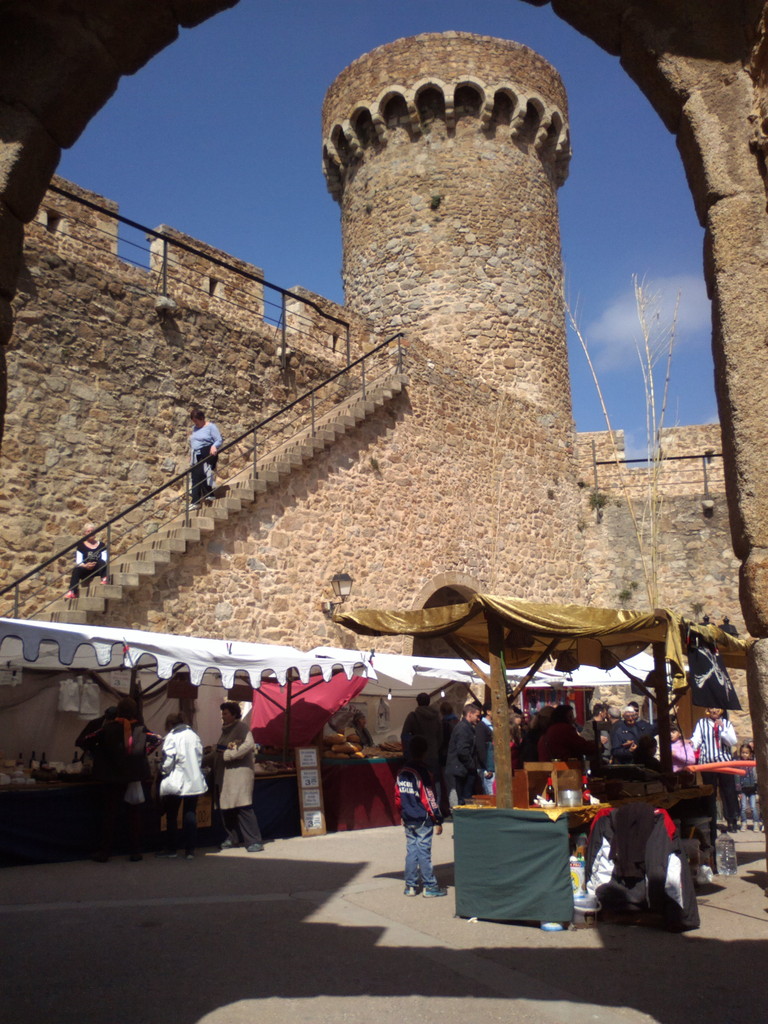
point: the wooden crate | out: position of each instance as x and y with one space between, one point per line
531 781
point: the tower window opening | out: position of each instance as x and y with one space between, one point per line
395 112
364 127
503 109
466 101
53 221
431 105
530 123
215 287
341 144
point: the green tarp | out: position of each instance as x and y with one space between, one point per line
511 865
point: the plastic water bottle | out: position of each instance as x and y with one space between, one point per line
725 855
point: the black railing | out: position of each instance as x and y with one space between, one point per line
256 447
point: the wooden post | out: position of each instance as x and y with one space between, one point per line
662 706
287 730
500 710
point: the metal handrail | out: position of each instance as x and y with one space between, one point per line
185 476
185 247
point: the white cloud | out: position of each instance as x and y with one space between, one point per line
613 337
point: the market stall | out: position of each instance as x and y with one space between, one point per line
509 634
55 677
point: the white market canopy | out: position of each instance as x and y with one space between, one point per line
49 646
401 674
58 646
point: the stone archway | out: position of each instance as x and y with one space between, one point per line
59 64
447 588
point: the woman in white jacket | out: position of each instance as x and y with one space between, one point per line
182 782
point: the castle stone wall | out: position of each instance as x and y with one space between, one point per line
435 484
102 381
691 463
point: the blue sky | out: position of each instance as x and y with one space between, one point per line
219 137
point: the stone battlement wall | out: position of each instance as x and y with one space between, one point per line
692 463
102 381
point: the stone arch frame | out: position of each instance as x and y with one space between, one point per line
532 112
395 93
477 86
439 86
364 127
460 581
512 94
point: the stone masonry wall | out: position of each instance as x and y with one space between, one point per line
102 382
437 483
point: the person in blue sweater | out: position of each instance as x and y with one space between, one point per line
420 814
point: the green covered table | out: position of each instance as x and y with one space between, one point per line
511 865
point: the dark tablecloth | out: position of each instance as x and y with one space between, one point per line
45 824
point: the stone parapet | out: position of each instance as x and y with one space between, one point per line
691 464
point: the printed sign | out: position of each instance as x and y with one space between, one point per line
310 791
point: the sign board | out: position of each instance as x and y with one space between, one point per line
310 785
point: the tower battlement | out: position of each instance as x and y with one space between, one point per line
504 106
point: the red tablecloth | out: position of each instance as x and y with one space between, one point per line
360 794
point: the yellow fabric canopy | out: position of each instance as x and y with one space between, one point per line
592 636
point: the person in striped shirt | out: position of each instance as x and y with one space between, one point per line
713 740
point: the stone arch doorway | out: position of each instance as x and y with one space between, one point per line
448 588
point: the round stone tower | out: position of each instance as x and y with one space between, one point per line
445 152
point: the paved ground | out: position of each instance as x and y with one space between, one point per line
318 931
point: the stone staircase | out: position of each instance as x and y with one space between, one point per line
128 571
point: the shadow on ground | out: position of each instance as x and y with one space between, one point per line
182 942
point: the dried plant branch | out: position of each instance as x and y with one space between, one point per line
656 341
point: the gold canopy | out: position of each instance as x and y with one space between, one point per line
592 636
517 634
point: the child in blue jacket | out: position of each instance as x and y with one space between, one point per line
420 814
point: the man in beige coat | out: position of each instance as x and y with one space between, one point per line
233 780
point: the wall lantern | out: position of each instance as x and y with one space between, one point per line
342 588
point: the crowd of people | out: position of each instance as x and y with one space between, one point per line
459 753
120 746
449 760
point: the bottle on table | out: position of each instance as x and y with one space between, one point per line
586 795
549 792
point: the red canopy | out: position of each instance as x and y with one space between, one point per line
312 704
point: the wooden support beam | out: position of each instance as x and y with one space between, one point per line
500 709
662 705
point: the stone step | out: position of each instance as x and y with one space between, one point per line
231 502
204 523
90 603
157 555
72 615
161 543
135 566
178 532
127 580
108 592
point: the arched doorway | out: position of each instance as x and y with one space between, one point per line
458 589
